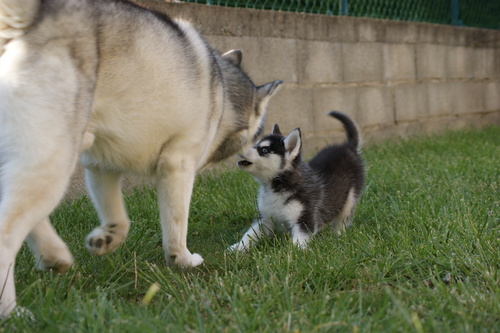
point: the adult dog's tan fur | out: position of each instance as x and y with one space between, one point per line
137 92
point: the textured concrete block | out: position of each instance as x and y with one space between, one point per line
291 108
438 34
283 25
439 97
272 58
431 61
329 99
426 33
484 62
458 62
492 96
467 97
319 27
410 102
400 32
439 124
319 62
337 28
368 31
362 62
399 61
375 106
496 73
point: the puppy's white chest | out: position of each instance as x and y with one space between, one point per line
278 207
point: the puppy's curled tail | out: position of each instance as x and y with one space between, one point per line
16 16
350 128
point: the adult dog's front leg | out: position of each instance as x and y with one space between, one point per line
105 190
175 186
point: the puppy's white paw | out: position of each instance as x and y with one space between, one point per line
301 243
238 247
300 238
104 240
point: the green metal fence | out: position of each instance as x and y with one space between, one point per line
476 13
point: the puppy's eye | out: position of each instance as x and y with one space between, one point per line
263 151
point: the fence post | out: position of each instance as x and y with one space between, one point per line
343 7
454 13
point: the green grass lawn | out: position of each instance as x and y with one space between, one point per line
423 255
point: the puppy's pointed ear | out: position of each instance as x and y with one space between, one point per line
293 143
276 130
234 56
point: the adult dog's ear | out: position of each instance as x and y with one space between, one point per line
234 56
263 94
293 144
268 89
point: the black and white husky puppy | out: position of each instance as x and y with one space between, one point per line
304 197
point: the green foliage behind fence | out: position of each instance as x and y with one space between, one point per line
476 13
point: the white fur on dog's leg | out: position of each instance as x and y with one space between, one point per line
186 260
237 247
30 193
196 260
345 216
105 190
18 219
29 196
49 250
252 236
248 240
39 142
7 287
104 240
174 188
299 237
341 228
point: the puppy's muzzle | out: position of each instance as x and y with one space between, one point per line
244 163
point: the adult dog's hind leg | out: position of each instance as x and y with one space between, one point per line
48 248
31 189
105 189
45 103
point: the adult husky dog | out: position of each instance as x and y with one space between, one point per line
129 89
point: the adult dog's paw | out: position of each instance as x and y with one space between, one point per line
104 240
186 260
59 263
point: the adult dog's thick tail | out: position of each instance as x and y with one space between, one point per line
16 16
350 128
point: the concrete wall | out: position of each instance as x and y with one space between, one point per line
394 78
